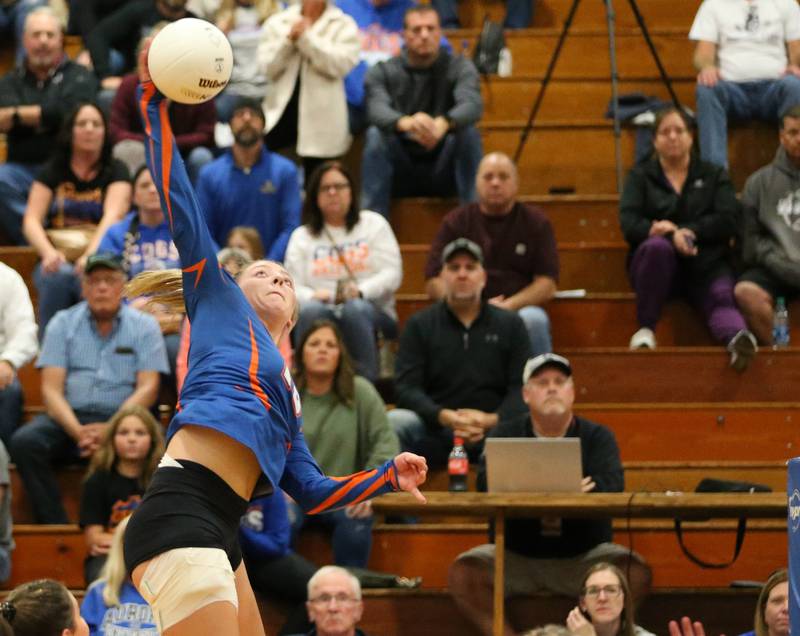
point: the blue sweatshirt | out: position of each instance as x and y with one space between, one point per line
132 617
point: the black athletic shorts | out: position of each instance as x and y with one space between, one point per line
189 507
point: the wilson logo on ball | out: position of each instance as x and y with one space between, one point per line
210 83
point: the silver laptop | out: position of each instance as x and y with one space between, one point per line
533 464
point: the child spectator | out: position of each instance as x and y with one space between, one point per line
248 239
117 477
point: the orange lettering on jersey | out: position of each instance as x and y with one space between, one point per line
197 267
259 392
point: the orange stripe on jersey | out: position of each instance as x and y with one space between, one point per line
339 494
367 493
197 267
148 90
166 156
254 369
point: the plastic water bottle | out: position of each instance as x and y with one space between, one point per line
505 63
780 325
458 466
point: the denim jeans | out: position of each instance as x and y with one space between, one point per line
538 325
388 169
655 277
519 13
351 538
359 321
10 410
33 449
765 100
57 290
15 183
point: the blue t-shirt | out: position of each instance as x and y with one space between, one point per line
152 250
132 617
266 197
238 383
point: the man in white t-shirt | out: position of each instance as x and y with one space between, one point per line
748 58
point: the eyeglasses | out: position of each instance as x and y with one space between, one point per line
609 590
336 187
341 599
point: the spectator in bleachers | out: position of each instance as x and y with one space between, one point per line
43 608
249 185
771 232
306 51
332 584
193 126
246 239
605 606
459 364
84 16
380 25
18 346
347 431
34 98
549 555
422 107
12 21
122 30
118 474
772 609
346 266
142 240
96 358
679 215
551 629
274 570
517 241
241 21
519 13
744 71
112 604
79 193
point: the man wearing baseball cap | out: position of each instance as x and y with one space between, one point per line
251 186
549 555
96 356
459 364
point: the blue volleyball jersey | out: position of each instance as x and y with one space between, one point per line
238 383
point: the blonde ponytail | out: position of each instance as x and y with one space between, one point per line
161 287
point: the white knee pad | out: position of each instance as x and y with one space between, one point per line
179 582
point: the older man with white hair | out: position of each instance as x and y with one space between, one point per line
334 603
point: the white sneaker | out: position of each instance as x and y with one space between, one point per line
743 347
643 339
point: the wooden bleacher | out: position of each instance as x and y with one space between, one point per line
679 413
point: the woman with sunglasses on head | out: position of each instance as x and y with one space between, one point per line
605 607
237 433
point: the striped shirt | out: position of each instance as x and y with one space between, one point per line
101 372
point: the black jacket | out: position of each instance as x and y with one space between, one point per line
443 364
600 459
707 205
68 85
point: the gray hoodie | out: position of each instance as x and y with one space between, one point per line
771 232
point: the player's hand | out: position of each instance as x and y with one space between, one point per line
141 67
687 628
411 473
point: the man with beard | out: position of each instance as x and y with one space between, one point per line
251 186
459 363
34 98
549 554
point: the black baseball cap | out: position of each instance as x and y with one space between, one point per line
103 259
251 103
462 245
545 361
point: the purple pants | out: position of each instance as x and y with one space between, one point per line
656 277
